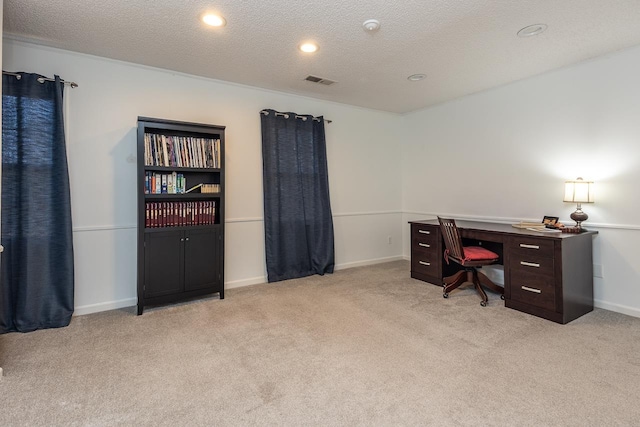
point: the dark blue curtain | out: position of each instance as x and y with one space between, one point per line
36 278
297 214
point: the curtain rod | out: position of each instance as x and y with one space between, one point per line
42 79
285 115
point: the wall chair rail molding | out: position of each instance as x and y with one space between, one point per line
338 215
103 228
240 220
367 213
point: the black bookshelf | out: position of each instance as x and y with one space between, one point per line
180 234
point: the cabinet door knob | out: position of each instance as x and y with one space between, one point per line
182 240
187 239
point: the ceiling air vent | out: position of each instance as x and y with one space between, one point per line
319 80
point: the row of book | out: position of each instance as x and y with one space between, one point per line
164 183
205 188
178 214
181 151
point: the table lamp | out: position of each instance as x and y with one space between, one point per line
578 191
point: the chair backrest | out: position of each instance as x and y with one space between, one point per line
452 239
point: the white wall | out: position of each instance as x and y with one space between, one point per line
504 155
500 155
364 172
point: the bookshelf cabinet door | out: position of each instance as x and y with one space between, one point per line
163 263
202 260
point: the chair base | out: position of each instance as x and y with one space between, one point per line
478 279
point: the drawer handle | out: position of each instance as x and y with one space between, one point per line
424 245
425 263
424 232
530 264
534 290
524 245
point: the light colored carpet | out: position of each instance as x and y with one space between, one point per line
364 346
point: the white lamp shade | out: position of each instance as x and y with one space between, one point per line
578 191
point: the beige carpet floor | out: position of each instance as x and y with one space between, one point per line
364 346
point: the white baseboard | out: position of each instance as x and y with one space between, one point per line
367 262
129 302
104 306
618 308
263 279
245 282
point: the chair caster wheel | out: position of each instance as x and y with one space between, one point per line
445 295
502 297
483 303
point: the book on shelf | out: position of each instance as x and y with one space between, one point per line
178 214
157 183
195 187
210 188
170 187
182 182
181 151
164 184
205 188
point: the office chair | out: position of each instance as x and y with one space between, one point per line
468 257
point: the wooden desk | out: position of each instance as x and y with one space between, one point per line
547 275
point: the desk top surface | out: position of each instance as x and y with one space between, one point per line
504 229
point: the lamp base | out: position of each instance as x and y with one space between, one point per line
579 217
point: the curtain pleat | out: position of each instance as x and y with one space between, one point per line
37 277
297 212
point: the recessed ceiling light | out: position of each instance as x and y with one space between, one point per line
532 30
308 47
214 20
416 77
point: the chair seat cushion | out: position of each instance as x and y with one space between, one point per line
477 253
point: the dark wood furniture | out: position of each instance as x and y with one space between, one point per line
547 275
469 257
180 235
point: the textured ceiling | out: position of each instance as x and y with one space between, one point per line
463 46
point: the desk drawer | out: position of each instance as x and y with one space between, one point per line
426 252
426 262
531 246
425 239
535 264
425 232
533 289
424 245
